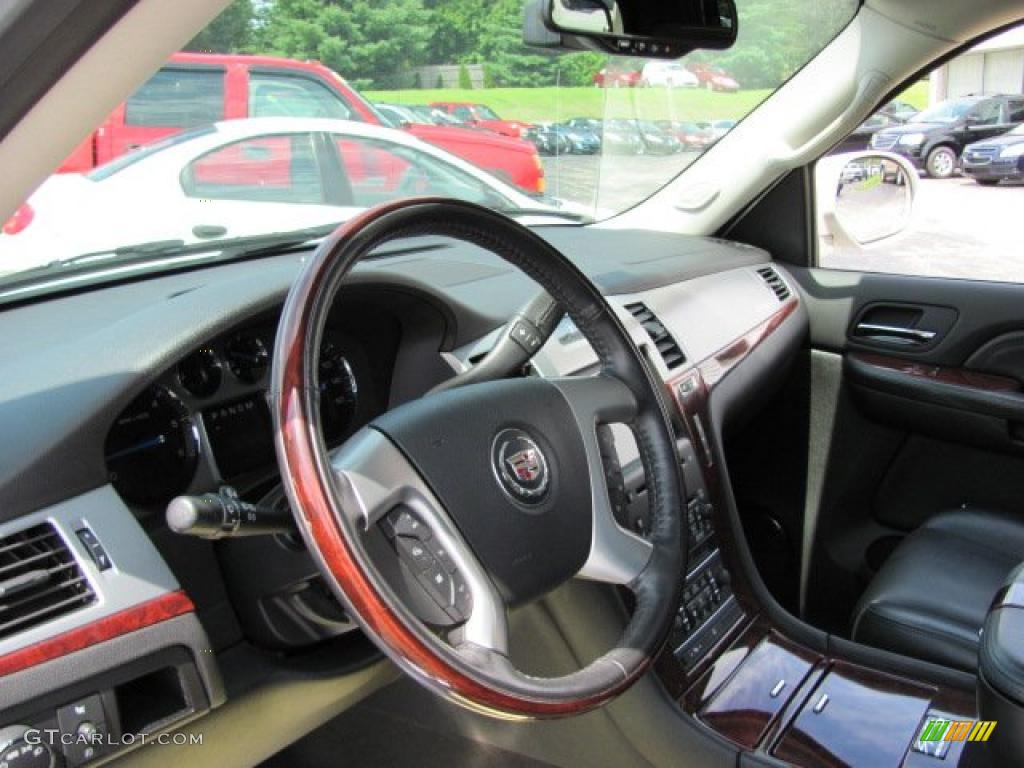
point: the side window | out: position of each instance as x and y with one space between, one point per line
293 96
177 98
463 113
268 169
949 209
377 171
987 113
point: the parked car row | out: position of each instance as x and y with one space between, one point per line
976 133
666 74
588 136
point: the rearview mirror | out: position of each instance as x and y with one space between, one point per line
666 29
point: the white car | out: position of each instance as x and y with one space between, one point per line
667 74
244 177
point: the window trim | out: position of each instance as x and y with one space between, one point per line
294 74
185 179
180 67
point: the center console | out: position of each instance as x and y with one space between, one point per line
776 690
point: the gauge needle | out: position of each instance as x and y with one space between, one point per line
145 445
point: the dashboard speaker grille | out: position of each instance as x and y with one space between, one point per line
667 346
775 282
40 580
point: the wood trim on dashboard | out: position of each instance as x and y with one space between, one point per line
155 611
716 367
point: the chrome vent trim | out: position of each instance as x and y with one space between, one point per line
40 579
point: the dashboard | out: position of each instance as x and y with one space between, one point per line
128 396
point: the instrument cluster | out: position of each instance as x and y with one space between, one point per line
209 417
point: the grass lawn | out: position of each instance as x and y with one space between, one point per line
917 94
555 104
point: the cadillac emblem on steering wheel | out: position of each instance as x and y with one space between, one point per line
520 466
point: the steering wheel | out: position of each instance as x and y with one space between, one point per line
436 518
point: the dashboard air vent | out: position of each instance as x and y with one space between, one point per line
776 283
40 580
667 347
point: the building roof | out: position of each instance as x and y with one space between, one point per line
1011 38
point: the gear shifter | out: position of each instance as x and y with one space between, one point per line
223 515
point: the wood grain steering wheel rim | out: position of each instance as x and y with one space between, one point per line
323 496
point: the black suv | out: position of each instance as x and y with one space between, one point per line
935 138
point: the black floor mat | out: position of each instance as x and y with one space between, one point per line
369 738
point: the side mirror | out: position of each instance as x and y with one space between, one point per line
863 198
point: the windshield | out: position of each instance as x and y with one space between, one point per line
946 112
217 148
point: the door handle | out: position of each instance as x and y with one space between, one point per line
895 333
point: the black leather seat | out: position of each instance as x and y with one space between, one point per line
931 596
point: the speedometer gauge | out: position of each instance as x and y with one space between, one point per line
152 449
339 392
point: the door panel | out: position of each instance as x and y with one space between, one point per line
923 422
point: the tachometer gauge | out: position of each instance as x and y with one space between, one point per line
152 449
200 373
247 357
339 392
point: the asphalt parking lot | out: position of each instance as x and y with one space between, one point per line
637 177
959 229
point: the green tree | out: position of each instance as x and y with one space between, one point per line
577 69
373 43
777 37
488 76
230 32
500 45
465 81
440 81
456 28
417 80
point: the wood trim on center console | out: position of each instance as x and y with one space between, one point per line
758 687
163 608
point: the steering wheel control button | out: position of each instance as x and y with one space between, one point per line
415 553
442 556
526 336
438 583
404 523
463 599
520 466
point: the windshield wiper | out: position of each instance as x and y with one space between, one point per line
161 248
250 246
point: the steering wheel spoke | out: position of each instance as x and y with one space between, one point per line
617 556
376 485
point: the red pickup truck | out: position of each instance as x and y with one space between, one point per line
482 116
196 88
